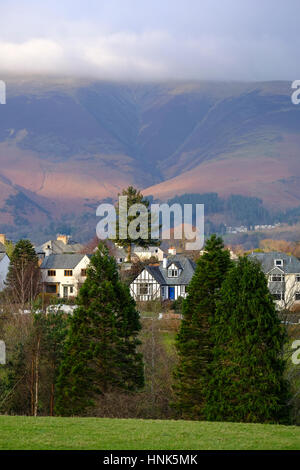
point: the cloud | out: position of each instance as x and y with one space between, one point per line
170 40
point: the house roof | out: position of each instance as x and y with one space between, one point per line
291 264
58 247
2 255
2 248
62 261
160 274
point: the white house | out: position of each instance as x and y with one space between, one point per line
64 274
283 274
149 252
62 244
142 253
4 262
167 280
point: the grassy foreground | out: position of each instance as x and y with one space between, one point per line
129 434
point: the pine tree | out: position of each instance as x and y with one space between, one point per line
246 374
193 341
135 197
23 278
101 349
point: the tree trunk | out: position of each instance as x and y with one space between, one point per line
52 400
36 399
129 253
32 388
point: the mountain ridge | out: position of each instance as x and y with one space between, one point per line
67 144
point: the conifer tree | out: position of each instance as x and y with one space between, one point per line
193 340
135 197
246 374
101 349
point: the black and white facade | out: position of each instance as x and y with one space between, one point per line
166 281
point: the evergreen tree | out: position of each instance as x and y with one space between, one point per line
101 349
246 374
193 341
23 278
135 197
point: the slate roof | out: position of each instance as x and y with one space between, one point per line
63 261
2 255
291 264
58 246
160 274
2 248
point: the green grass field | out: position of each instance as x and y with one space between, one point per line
123 434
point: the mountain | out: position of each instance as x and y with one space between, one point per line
67 144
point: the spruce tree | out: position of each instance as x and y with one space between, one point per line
246 374
101 349
193 341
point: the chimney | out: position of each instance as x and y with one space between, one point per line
165 262
172 250
2 238
48 251
63 238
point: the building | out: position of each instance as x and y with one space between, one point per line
63 274
167 280
4 262
147 253
62 244
283 274
137 253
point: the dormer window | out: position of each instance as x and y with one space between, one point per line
278 262
173 272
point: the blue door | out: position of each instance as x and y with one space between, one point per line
172 293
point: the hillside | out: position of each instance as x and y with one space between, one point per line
67 144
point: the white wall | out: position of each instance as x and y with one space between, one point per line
157 291
67 281
145 278
147 254
4 265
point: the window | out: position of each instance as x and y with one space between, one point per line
173 272
144 289
297 296
68 272
71 289
183 290
277 278
298 278
278 262
83 273
278 296
51 288
51 272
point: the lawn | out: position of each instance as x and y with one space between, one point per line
124 434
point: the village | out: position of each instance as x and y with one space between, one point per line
153 274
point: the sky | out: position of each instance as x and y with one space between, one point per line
152 40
